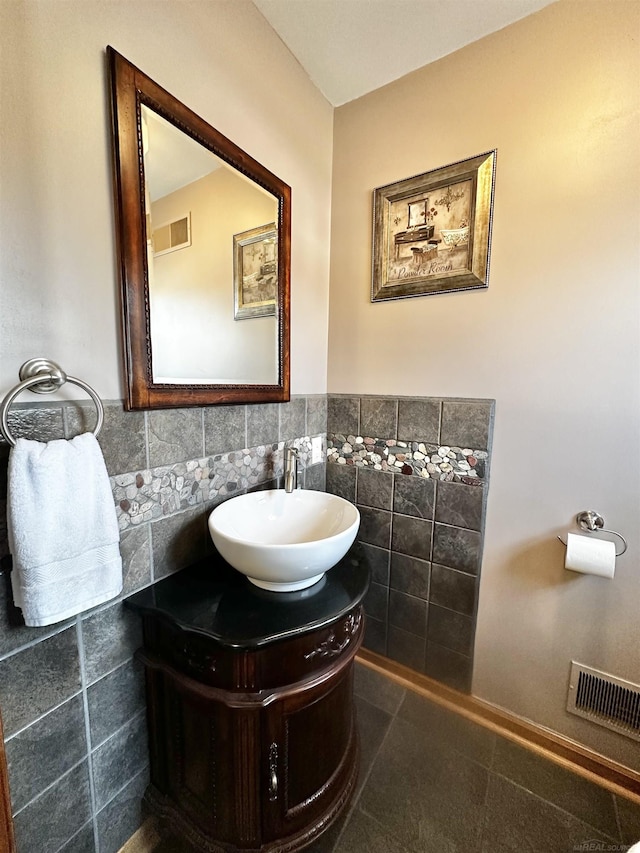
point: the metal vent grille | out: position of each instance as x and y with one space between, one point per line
605 700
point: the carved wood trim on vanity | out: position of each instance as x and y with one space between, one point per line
554 747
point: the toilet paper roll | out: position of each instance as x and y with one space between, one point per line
590 556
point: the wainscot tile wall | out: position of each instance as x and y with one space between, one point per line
417 468
72 695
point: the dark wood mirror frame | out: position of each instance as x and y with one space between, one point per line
130 89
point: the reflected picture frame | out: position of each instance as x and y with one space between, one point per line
432 232
255 272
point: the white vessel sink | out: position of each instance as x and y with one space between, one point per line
284 542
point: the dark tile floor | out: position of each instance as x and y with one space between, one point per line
432 782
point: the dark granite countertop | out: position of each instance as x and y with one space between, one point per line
213 599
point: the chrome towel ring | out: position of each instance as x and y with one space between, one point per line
44 376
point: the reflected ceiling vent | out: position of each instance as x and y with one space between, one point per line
605 700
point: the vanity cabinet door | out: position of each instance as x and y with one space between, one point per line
204 761
309 757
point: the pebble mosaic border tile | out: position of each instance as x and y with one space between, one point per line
147 495
437 462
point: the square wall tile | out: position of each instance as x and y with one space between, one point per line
114 699
175 435
178 540
378 417
406 648
453 589
460 505
13 632
375 635
343 415
414 496
82 842
315 477
450 667
38 678
412 536
375 526
135 548
419 420
39 423
456 548
466 423
225 429
263 424
123 816
110 637
374 488
46 750
316 414
293 419
122 437
48 822
410 575
408 612
376 601
377 560
450 629
341 481
119 759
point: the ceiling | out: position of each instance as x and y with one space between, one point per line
351 47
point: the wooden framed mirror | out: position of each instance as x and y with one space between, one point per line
186 198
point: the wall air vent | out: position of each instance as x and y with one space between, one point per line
172 236
605 700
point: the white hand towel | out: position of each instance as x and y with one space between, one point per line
63 530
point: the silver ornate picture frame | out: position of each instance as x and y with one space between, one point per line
432 232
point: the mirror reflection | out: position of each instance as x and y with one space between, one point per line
212 264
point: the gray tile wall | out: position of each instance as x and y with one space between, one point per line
423 536
72 695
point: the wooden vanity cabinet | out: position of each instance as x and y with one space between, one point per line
251 749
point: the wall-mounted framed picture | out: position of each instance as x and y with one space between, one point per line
255 272
432 232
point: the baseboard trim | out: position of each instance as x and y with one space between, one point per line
568 753
144 840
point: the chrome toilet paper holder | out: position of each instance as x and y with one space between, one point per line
592 522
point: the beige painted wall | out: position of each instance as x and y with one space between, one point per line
555 338
58 281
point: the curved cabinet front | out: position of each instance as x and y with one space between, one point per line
252 750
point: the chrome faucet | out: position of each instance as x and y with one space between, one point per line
290 469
